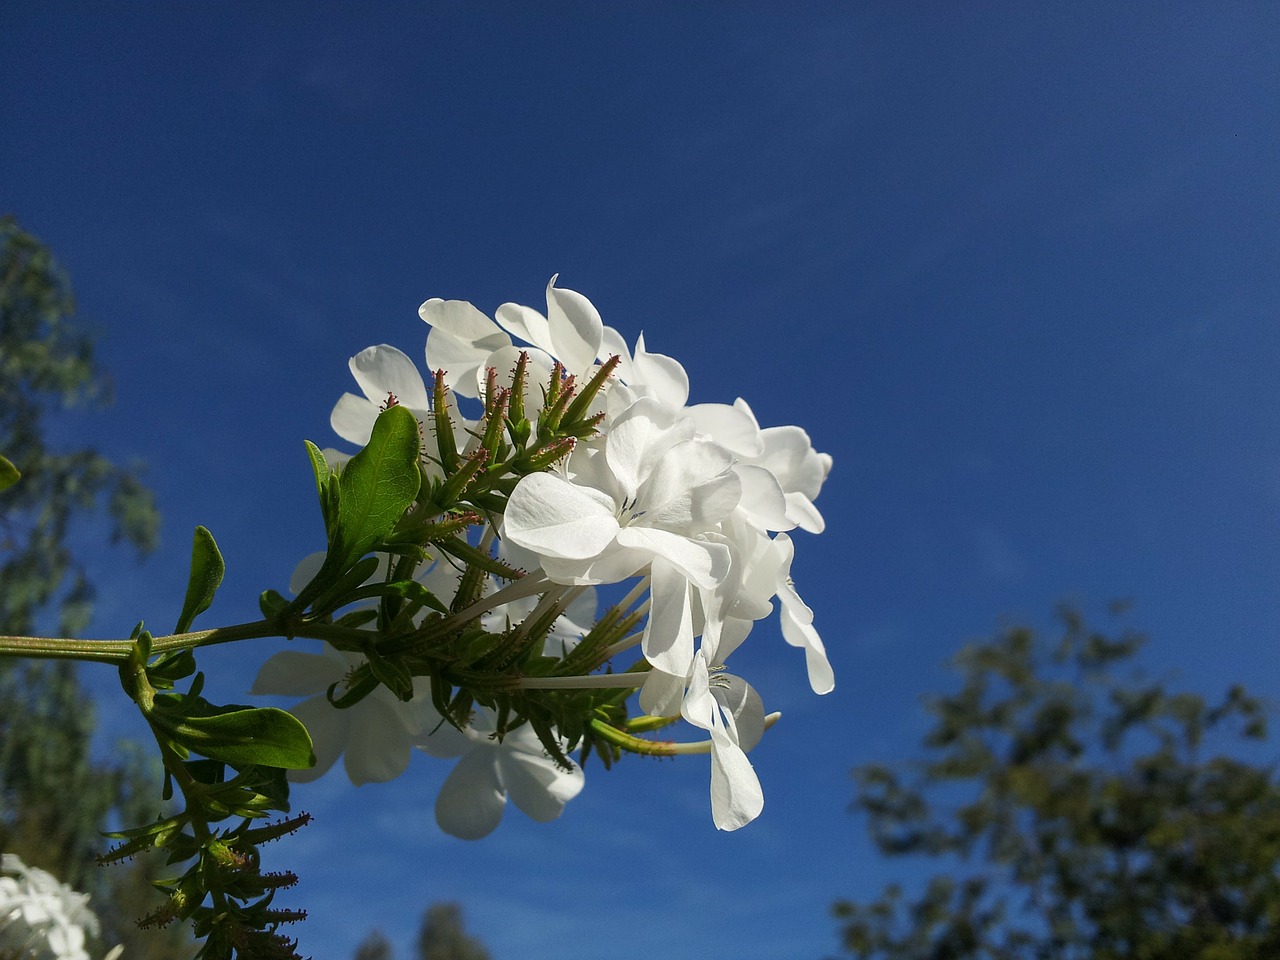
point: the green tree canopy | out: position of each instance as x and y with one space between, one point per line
442 937
46 364
54 798
1087 814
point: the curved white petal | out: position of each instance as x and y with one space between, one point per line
553 517
668 633
734 427
352 418
383 369
736 797
763 502
691 489
378 745
802 512
536 784
702 563
527 324
472 799
822 678
443 739
328 728
663 376
292 673
575 328
661 694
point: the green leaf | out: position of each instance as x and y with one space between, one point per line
245 735
378 484
8 474
207 569
324 484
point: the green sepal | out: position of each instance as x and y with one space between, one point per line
9 474
478 558
345 589
272 604
169 668
207 568
393 675
410 590
356 619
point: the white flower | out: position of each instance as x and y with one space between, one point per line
380 371
642 502
465 343
41 918
374 737
474 795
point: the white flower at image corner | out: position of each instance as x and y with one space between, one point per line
642 504
374 737
40 918
474 795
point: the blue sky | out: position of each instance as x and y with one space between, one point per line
1013 267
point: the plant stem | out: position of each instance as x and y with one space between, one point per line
118 651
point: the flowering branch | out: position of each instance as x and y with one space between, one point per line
456 601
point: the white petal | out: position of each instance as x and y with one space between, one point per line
471 801
614 565
613 345
691 489
463 322
791 602
664 377
802 512
639 438
352 418
821 677
443 739
537 785
377 744
306 569
383 369
702 563
743 709
668 633
661 694
328 728
736 797
292 673
575 328
763 502
527 324
553 517
733 427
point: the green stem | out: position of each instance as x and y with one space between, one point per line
118 651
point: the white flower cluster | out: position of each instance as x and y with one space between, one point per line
689 504
40 918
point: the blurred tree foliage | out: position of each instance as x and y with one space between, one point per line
1090 816
46 364
442 937
54 799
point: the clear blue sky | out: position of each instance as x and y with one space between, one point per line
1014 268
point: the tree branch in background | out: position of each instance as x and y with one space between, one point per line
1090 814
